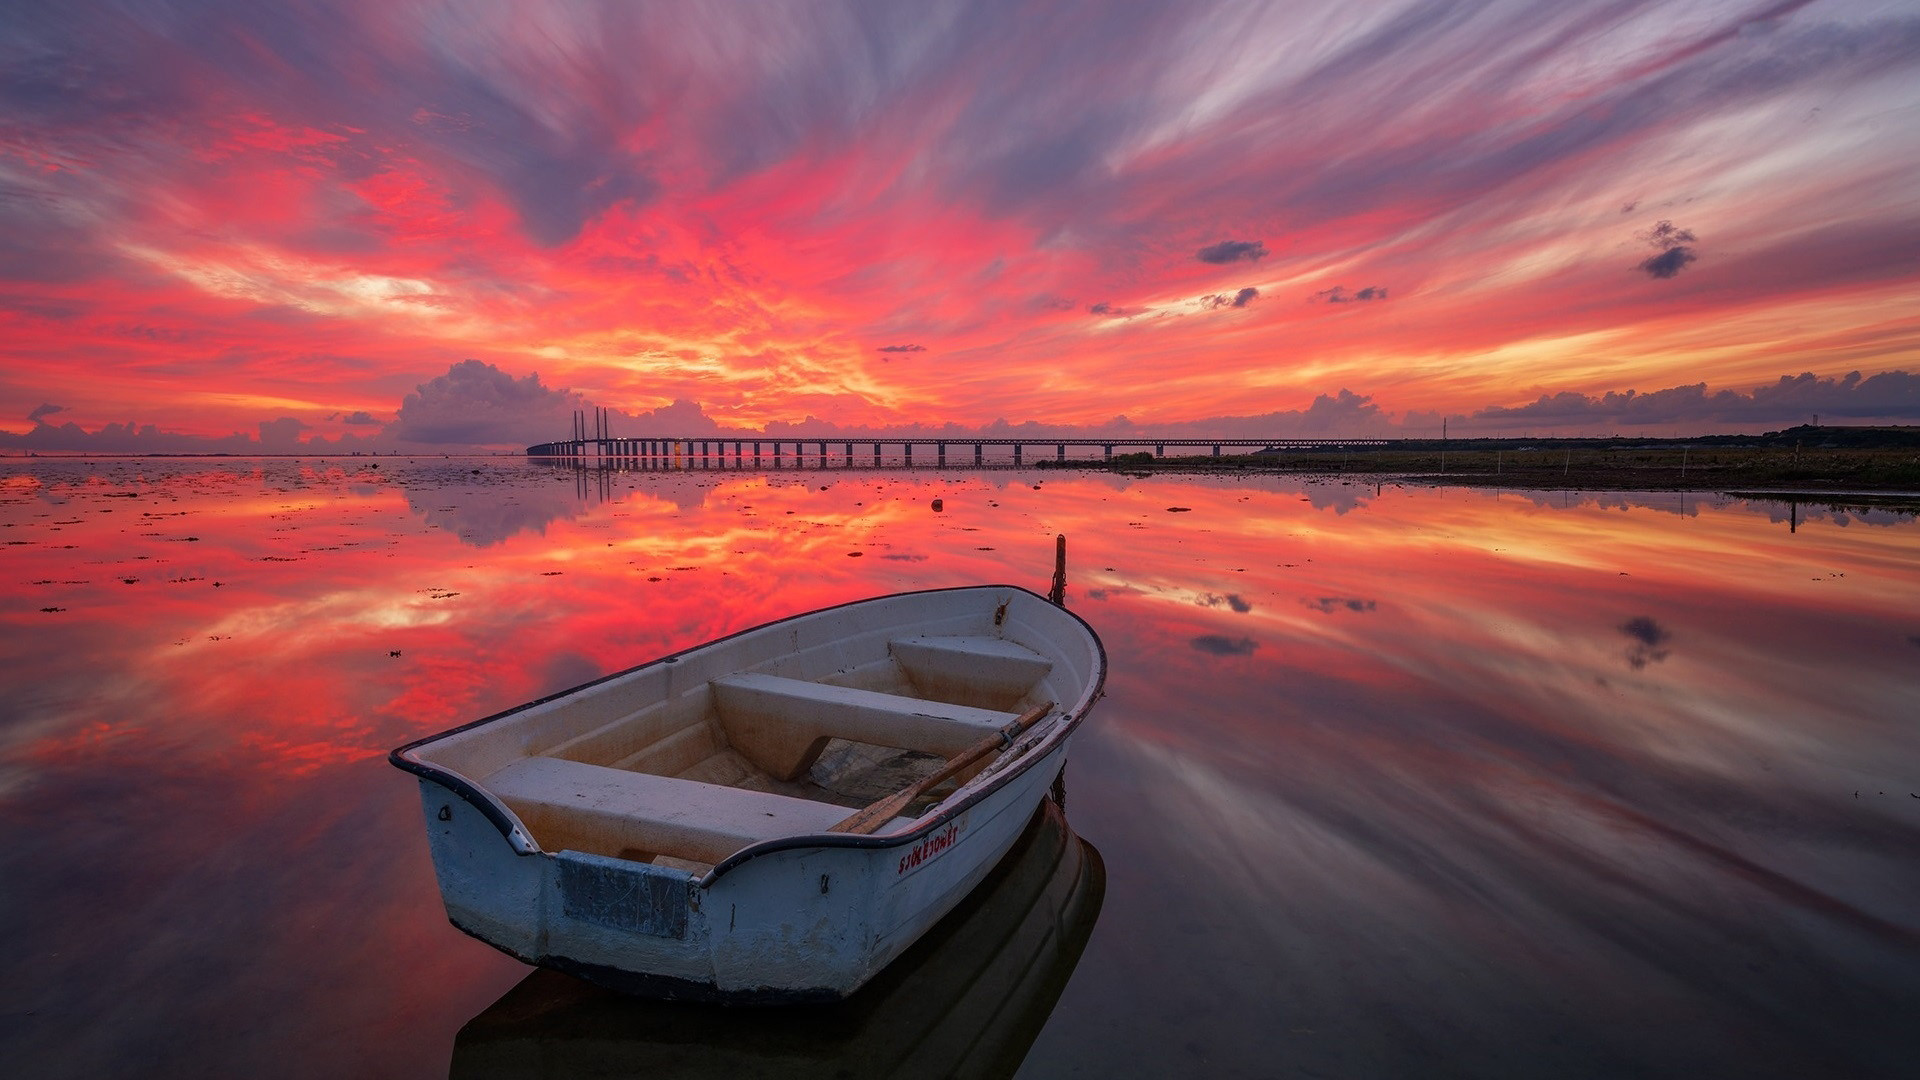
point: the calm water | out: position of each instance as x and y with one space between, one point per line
1389 781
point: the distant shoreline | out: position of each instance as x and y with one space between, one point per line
1894 477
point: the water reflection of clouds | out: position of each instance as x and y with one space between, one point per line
1410 816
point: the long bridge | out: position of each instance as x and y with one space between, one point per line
714 451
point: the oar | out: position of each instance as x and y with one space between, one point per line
871 818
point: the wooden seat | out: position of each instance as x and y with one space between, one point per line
986 672
782 724
604 811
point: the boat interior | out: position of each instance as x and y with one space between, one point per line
681 764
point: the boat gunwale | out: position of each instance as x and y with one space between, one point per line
521 839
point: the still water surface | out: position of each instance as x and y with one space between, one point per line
1389 780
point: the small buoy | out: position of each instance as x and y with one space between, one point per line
938 506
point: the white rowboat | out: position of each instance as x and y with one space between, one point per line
671 830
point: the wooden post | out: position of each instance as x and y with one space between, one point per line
1058 594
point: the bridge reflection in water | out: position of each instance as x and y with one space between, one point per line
968 1000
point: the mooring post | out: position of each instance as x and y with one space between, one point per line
1058 594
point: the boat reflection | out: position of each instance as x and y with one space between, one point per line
967 1000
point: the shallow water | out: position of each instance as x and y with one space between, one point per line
1389 780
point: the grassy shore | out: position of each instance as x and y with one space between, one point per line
1810 460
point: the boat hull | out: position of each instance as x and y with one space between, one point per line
799 918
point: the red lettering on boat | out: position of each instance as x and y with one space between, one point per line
928 848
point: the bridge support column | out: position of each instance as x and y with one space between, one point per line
976 453
1159 449
1060 452
1016 453
940 450
849 455
1216 449
1106 452
876 453
906 449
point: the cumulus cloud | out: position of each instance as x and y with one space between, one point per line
903 348
1669 262
44 410
1675 247
1227 251
362 418
476 403
1339 295
1890 395
683 417
282 434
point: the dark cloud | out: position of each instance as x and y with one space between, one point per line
476 403
903 348
1644 630
1648 638
1339 295
1245 296
1232 601
362 418
1104 308
1667 236
1890 395
1222 645
1675 246
1667 263
1331 604
1227 251
45 409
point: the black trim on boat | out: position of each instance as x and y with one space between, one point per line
522 842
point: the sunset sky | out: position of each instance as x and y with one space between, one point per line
401 224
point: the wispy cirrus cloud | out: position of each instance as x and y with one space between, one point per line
683 202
